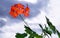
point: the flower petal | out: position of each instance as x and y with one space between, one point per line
26 14
19 5
13 14
20 11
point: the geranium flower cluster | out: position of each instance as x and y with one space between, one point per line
18 9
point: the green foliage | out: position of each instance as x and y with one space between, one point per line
48 31
28 30
52 27
45 31
18 35
41 27
32 33
58 34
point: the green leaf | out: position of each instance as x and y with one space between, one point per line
32 33
47 30
18 35
58 34
46 27
31 36
52 27
41 26
28 30
37 36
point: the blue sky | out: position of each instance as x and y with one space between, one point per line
39 9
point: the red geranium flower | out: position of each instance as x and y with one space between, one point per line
27 10
13 14
19 9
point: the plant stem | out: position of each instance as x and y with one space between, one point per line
23 20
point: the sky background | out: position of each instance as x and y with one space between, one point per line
38 10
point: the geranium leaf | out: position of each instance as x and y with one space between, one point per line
58 34
52 27
18 35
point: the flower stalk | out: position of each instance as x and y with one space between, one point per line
24 20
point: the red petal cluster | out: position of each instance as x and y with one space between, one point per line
19 9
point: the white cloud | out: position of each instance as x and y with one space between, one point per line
30 1
7 35
4 19
54 12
